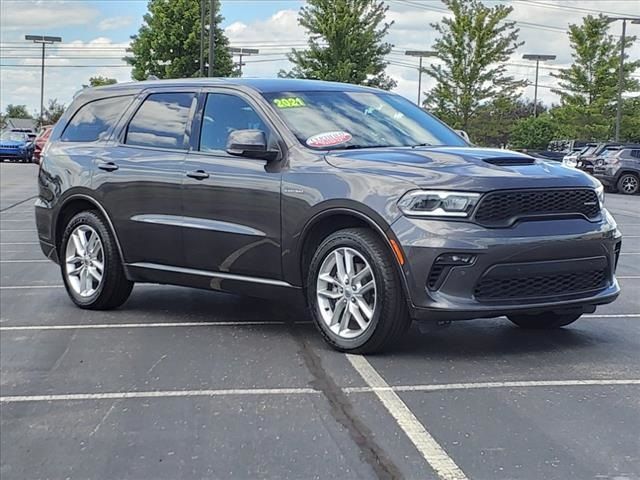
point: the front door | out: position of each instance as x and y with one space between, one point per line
231 204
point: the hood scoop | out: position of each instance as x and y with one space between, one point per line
510 161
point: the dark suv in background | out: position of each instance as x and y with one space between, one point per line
619 169
352 198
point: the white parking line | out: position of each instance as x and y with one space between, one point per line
614 315
18 230
630 253
428 447
27 287
19 243
157 394
33 261
307 391
145 325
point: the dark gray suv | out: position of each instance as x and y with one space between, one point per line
353 199
619 169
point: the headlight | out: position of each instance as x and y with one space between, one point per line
600 193
438 203
570 162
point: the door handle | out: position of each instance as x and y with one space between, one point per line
198 174
108 166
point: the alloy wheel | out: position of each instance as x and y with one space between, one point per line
630 184
84 261
346 292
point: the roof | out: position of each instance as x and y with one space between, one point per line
264 85
22 123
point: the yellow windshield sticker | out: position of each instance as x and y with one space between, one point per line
290 102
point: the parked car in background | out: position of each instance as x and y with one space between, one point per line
40 142
587 159
352 198
620 169
16 146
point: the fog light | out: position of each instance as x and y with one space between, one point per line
455 259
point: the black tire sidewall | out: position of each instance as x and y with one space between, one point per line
92 220
334 241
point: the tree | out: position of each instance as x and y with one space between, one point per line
493 122
346 43
534 133
100 81
17 111
168 43
473 46
588 88
593 76
52 112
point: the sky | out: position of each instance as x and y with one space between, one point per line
96 33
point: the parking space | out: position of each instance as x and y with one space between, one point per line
182 383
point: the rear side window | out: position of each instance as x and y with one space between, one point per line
161 121
635 153
95 120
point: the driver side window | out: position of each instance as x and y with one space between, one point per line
224 113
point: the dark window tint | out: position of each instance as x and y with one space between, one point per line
635 153
161 121
95 120
222 115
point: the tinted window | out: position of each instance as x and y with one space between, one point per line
635 153
95 120
222 115
161 121
343 119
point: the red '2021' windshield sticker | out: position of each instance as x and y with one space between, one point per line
328 139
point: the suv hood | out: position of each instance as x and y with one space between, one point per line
468 168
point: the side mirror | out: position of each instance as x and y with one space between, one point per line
464 135
249 143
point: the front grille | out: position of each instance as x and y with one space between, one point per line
540 286
501 209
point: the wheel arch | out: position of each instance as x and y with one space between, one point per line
328 221
77 203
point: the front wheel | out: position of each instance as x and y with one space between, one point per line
629 184
91 265
355 293
544 320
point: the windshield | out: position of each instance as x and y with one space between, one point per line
336 120
13 136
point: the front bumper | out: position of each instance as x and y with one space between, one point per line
607 175
14 154
535 249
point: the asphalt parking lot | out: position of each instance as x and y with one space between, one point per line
190 384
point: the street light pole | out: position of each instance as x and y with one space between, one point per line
212 40
241 52
538 58
44 40
420 54
621 69
202 22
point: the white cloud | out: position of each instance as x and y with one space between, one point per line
29 14
113 23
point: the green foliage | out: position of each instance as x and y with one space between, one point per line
593 77
590 85
534 133
100 81
473 45
493 122
346 43
17 111
630 125
168 43
52 112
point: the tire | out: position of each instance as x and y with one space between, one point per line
544 321
381 306
628 183
85 290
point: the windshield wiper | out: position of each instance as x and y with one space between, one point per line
358 147
422 145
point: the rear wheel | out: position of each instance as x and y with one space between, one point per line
91 266
629 184
544 320
355 294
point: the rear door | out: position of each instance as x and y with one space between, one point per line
231 203
140 182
